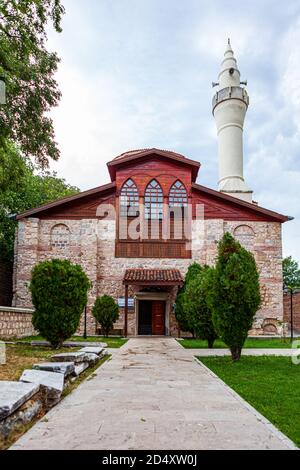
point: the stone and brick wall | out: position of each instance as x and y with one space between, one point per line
264 241
91 243
296 310
6 272
15 322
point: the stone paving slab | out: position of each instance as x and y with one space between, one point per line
74 357
245 352
51 383
153 394
53 380
79 368
65 368
68 344
90 349
13 395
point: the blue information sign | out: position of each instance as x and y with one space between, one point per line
121 302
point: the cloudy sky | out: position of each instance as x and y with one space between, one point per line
138 73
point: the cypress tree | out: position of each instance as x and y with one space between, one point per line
197 306
235 294
180 313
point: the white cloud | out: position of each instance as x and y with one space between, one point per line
137 74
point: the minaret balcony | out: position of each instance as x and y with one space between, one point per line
228 93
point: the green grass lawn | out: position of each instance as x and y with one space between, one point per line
250 343
269 384
111 341
23 356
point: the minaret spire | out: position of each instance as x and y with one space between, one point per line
230 104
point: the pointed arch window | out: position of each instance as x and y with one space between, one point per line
129 199
153 201
178 195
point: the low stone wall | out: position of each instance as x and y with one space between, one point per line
296 310
15 322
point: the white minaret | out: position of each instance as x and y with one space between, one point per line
230 104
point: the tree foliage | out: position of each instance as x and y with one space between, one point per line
28 69
291 273
197 306
106 312
235 294
59 295
22 188
180 312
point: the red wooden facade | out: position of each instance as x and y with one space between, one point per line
166 168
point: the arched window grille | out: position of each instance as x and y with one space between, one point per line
153 201
60 236
129 199
177 195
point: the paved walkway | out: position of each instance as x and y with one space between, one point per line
245 352
152 394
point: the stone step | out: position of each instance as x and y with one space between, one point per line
53 380
14 394
67 344
76 357
79 368
73 344
92 358
65 368
51 383
92 349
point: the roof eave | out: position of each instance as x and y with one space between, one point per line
226 197
153 283
65 200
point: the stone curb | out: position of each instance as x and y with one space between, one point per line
257 352
245 404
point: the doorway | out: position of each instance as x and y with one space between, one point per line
151 317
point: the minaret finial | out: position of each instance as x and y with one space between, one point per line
228 41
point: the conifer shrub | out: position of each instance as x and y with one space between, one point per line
234 295
198 307
59 294
181 313
106 312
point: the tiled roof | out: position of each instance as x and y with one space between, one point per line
155 276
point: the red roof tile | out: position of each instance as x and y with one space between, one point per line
153 276
129 153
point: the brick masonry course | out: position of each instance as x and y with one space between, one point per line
15 322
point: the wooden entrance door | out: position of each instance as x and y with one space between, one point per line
158 317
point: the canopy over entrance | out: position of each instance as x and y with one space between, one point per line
149 277
153 277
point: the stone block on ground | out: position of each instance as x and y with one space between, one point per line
79 368
68 344
65 368
75 357
14 394
52 384
73 344
92 349
92 358
22 416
